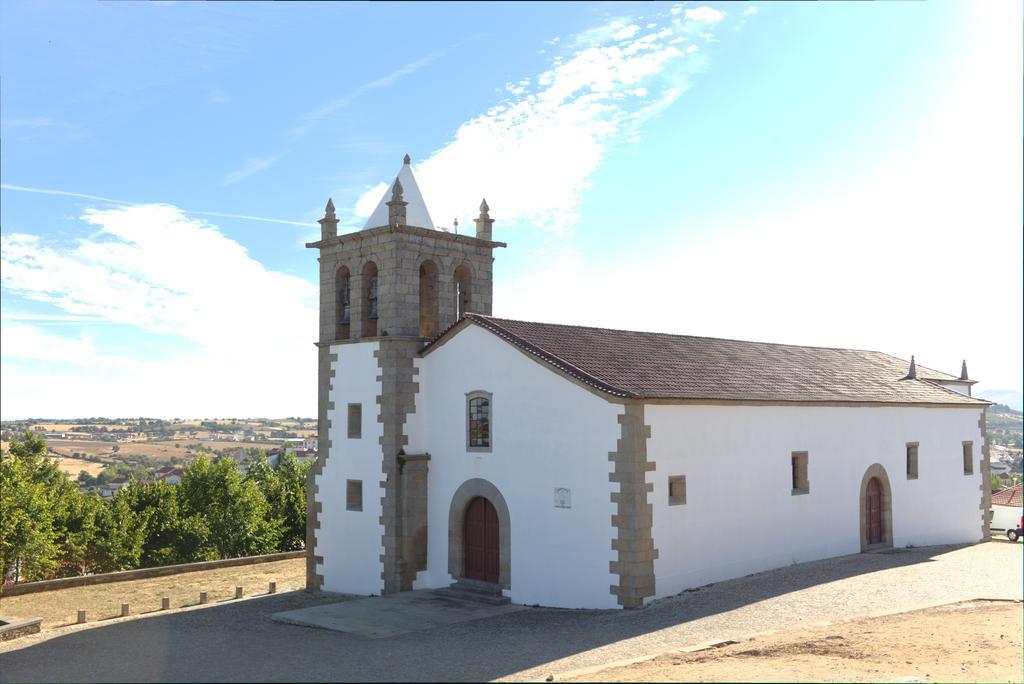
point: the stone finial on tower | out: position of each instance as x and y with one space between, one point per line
396 207
484 222
329 223
407 160
963 370
912 373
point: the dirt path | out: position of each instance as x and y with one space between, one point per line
971 641
103 601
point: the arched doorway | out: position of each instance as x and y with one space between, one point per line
481 552
468 517
875 509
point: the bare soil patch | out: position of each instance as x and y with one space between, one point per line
73 466
103 601
963 642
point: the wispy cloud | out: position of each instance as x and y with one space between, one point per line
533 155
41 127
309 120
217 96
154 269
250 167
62 193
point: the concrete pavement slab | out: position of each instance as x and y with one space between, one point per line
379 617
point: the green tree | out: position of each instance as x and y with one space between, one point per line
28 544
292 506
168 537
284 488
233 507
120 536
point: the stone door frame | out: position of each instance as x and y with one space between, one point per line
467 491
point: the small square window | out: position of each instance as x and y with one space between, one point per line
798 462
354 495
968 458
355 421
912 460
676 490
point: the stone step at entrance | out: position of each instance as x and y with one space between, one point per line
476 591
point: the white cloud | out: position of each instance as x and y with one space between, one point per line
705 14
156 270
250 167
924 256
532 155
752 9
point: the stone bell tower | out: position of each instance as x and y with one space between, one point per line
396 283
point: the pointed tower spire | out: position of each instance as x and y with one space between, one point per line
912 373
484 222
963 370
396 207
329 223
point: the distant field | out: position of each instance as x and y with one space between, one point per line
64 427
73 466
158 451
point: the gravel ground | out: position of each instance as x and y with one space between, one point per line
237 641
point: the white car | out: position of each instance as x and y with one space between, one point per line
1008 520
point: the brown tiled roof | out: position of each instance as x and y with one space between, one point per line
1009 497
649 365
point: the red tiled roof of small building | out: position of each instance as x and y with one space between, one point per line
1013 496
647 365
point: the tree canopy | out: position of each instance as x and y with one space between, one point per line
50 528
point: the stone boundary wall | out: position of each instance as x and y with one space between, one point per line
144 573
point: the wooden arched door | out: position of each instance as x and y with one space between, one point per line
873 511
481 541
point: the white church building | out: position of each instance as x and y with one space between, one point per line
591 468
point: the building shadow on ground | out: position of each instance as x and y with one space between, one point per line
237 641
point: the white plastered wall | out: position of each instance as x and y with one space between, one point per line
547 432
350 541
740 515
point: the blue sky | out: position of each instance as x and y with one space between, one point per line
840 174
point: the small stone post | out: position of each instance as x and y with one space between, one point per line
484 222
329 223
202 597
165 603
273 588
125 609
238 592
81 616
396 206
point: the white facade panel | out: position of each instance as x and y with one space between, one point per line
350 541
740 514
547 433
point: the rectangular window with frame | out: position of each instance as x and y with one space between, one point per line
968 458
478 421
676 490
798 462
353 495
355 421
912 448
